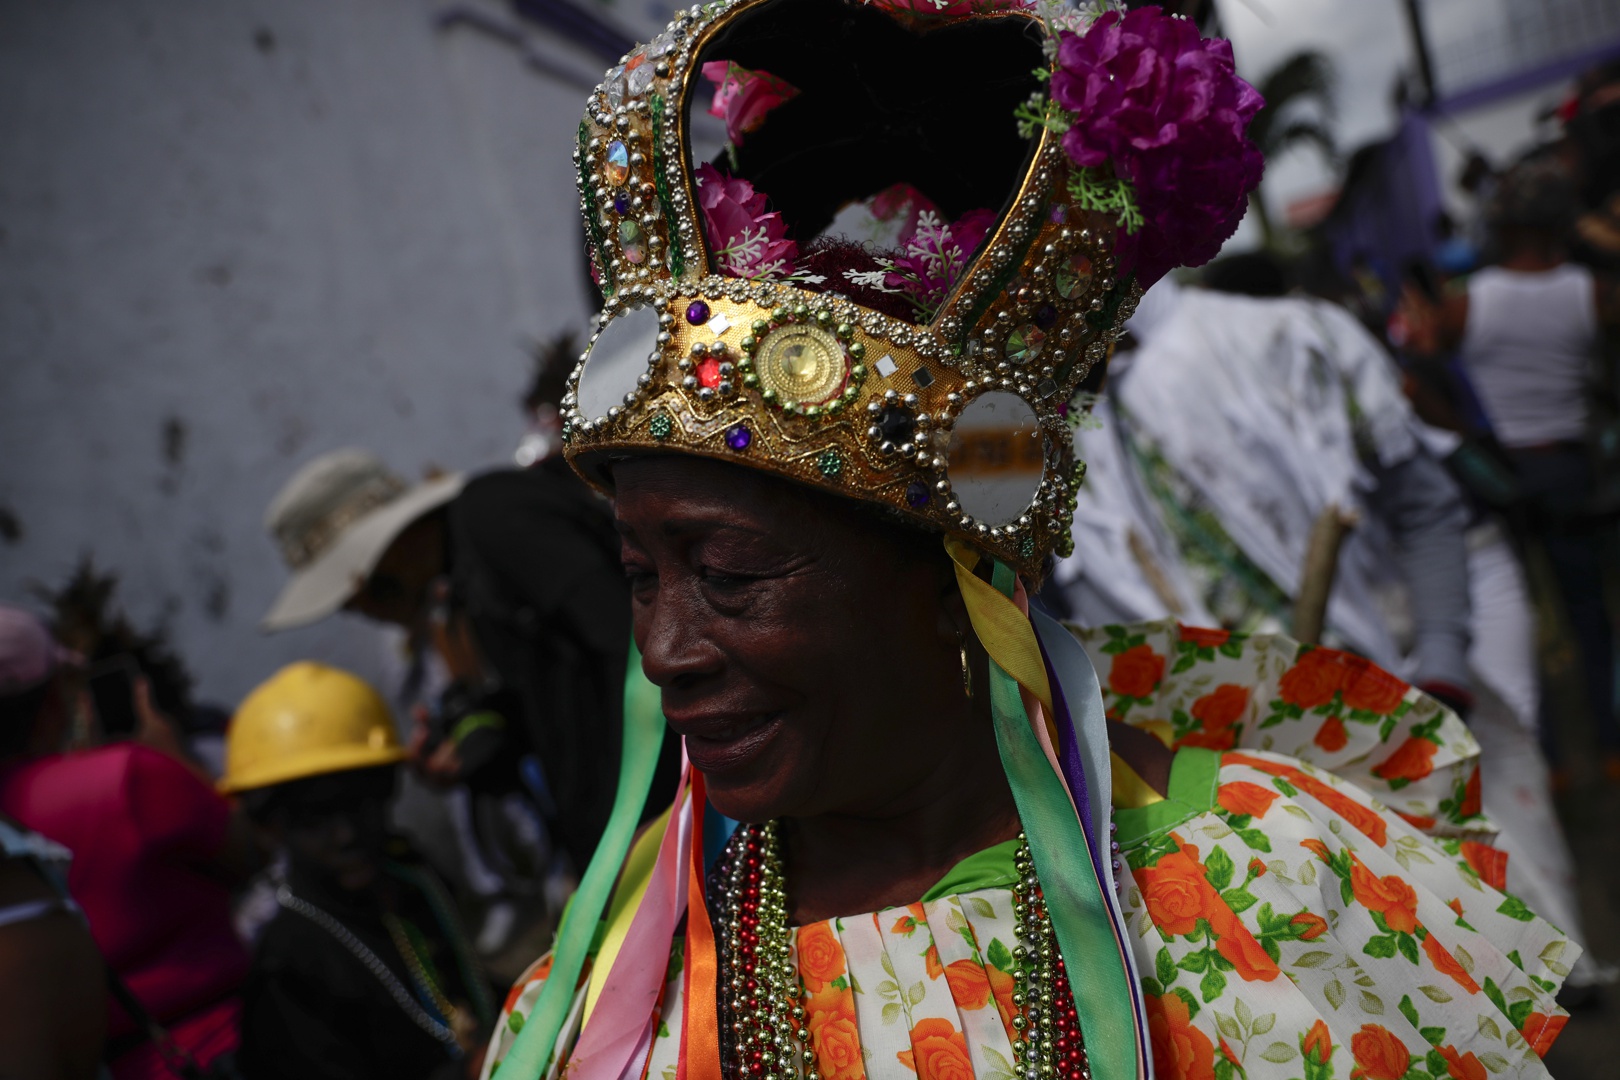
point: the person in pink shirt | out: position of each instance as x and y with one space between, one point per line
155 853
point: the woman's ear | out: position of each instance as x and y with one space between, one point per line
954 623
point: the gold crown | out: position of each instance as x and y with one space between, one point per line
960 424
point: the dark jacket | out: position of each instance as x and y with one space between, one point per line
312 1009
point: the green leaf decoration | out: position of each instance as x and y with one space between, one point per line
1165 967
1000 958
1151 986
1334 992
1233 647
981 907
1489 1028
515 1021
891 1012
1435 994
1256 839
1372 1003
1245 1018
1194 962
1239 899
1212 985
918 992
1278 1052
1514 908
1409 1010
1001 1068
1408 946
1186 663
1494 992
1382 946
1434 1036
1228 1026
1314 959
1218 869
1264 1023
1493 1061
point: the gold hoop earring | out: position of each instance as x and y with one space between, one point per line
967 671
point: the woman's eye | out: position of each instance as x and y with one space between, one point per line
722 579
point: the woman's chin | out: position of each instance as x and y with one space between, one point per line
752 801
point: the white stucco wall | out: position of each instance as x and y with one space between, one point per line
276 228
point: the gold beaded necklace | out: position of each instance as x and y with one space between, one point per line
762 1016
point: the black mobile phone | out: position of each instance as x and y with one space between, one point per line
112 691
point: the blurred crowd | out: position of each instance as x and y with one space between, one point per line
1419 463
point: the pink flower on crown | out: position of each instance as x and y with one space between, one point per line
742 98
744 239
936 254
1166 109
949 7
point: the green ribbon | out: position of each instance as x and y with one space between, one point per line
1069 880
535 1045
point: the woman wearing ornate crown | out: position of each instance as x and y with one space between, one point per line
840 466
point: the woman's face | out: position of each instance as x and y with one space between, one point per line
807 651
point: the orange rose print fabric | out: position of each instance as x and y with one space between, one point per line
1295 928
1222 691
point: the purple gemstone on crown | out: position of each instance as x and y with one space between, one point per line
917 494
738 436
621 203
697 313
1046 317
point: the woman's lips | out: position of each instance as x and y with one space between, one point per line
719 745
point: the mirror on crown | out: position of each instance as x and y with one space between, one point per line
621 354
996 458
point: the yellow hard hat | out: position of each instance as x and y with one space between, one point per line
305 720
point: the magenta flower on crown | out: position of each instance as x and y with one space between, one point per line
742 98
1165 108
744 239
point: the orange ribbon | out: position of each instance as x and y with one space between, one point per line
701 1034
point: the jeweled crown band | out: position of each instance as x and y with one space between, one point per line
828 393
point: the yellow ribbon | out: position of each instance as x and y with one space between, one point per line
633 882
1004 631
1009 638
1130 791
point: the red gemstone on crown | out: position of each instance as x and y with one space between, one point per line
708 372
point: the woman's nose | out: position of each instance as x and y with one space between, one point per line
676 651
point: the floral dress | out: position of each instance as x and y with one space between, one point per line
1285 923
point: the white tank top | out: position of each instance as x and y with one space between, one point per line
1529 347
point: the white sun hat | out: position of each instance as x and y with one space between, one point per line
333 521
